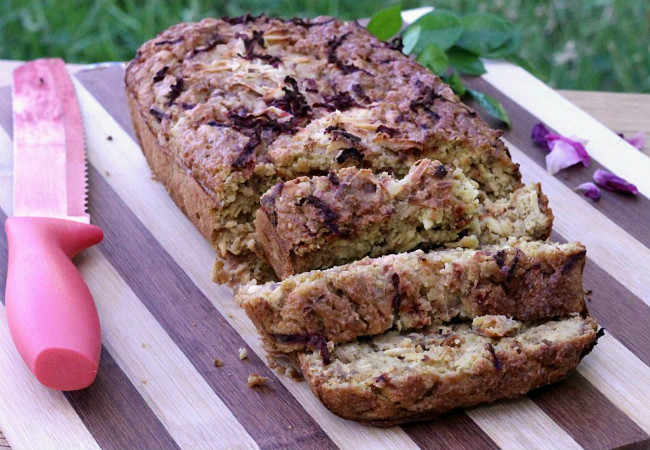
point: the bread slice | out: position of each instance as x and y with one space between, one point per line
528 281
320 222
399 377
225 109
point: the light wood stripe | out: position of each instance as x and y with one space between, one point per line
128 175
520 423
191 412
620 254
604 145
32 415
621 377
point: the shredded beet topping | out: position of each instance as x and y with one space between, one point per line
169 41
396 44
335 43
159 115
348 153
341 101
359 92
268 202
328 216
212 43
571 262
495 359
187 106
160 74
507 269
250 42
397 298
441 171
293 101
339 132
333 178
306 23
247 153
426 100
320 344
246 18
174 91
391 132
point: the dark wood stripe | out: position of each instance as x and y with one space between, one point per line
588 416
111 408
629 212
453 431
271 415
616 308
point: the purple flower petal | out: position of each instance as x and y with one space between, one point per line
590 190
539 134
561 156
578 146
613 183
638 140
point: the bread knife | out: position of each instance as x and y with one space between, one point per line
51 314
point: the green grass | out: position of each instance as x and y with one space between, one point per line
588 44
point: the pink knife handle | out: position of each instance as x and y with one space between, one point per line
51 314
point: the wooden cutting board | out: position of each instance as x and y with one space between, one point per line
165 322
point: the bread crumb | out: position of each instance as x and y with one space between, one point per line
230 315
109 138
290 427
217 362
255 379
107 173
243 353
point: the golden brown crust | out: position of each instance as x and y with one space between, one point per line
380 392
531 280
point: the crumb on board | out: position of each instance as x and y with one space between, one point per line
109 138
107 173
230 315
243 353
255 379
217 362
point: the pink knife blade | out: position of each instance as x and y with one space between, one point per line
50 311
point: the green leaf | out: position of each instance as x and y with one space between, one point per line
484 33
410 38
490 105
386 23
509 47
434 59
465 62
456 83
439 27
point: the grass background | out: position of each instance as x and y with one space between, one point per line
574 44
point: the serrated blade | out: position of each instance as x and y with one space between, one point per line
49 150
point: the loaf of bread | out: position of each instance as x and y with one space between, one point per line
528 281
225 109
310 131
400 377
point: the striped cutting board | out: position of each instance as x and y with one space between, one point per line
164 321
